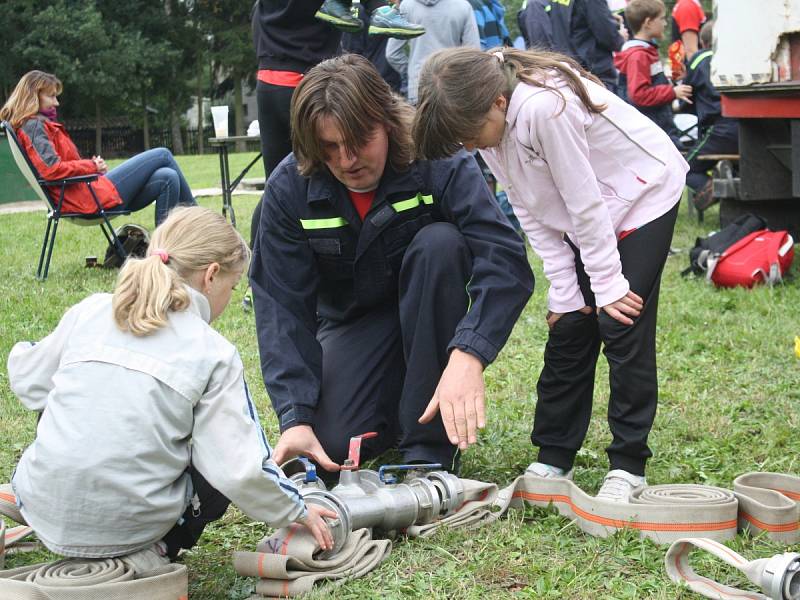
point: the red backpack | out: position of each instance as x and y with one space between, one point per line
760 257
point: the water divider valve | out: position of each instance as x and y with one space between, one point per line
375 500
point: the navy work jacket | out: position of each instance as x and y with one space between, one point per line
705 97
587 31
314 259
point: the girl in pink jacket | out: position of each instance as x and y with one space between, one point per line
595 185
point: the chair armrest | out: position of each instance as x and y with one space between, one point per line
70 180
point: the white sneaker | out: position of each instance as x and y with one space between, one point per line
618 485
548 471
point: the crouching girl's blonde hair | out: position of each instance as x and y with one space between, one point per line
188 241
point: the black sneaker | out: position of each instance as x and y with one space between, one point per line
338 14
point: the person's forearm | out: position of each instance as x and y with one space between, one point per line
690 43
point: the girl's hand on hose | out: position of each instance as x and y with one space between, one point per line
314 521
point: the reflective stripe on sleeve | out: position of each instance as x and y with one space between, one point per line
700 58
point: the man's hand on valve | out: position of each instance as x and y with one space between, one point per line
300 440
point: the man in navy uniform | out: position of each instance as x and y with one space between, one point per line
383 285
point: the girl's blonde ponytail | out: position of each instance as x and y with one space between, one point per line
190 239
146 291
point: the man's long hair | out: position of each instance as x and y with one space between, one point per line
348 90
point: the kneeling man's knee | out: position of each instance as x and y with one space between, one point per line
440 243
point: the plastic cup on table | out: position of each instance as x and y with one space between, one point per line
220 116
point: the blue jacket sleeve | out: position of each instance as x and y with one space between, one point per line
694 79
502 281
284 279
603 25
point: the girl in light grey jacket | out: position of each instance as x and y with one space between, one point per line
147 429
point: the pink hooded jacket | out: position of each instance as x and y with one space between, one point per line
587 175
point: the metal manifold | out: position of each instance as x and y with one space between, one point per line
375 500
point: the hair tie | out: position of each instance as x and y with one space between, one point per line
163 254
499 56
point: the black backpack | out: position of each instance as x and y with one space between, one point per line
134 240
719 241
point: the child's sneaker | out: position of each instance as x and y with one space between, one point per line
546 471
618 485
338 14
386 20
704 197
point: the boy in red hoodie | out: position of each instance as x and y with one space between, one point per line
642 81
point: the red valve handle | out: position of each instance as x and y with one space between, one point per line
354 452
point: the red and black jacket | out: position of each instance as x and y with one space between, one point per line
642 82
55 156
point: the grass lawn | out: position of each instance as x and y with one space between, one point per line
730 392
203 171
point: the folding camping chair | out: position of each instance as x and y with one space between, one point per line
42 186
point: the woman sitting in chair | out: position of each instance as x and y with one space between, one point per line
150 176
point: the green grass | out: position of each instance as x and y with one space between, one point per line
203 171
730 392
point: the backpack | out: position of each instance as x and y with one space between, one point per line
716 243
134 240
761 257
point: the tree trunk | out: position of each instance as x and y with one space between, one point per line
98 130
145 121
238 112
175 125
200 124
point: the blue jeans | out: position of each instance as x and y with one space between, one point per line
151 175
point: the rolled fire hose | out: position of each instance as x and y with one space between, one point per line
759 502
78 578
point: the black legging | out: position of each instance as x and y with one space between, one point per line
212 506
566 385
276 140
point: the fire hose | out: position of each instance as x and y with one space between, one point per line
428 499
778 576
